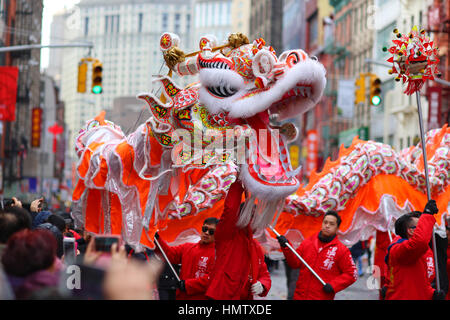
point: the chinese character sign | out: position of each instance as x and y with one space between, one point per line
36 122
312 151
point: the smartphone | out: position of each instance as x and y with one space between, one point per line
70 250
8 202
103 243
43 204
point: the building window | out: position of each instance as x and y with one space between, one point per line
188 22
86 26
197 15
313 30
106 24
177 23
164 21
140 17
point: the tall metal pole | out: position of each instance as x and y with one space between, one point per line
298 256
427 182
167 259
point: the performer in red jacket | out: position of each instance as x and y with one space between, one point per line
240 271
447 229
327 256
197 261
408 271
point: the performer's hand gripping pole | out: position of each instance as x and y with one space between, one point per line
298 256
427 181
167 259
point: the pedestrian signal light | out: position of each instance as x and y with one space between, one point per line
375 90
97 78
82 71
360 89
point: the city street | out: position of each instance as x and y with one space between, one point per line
217 124
357 291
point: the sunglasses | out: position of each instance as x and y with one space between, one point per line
205 229
413 227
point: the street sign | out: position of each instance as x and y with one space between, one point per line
346 137
346 98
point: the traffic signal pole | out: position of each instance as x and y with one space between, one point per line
40 46
385 64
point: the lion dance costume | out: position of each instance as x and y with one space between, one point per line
176 168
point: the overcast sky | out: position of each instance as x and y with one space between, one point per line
50 8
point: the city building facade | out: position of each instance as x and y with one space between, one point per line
212 17
266 21
126 38
21 25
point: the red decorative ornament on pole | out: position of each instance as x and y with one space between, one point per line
416 57
55 130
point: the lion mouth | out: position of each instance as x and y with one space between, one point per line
268 163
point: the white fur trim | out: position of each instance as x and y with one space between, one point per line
307 72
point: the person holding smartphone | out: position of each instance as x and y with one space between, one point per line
196 259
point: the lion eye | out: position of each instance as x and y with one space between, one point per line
292 59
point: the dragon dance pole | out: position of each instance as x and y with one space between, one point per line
427 182
167 259
298 256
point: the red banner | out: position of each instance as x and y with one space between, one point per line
312 144
36 123
434 107
8 93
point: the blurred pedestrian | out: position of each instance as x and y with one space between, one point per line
408 258
327 256
291 279
357 251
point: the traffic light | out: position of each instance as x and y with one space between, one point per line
360 89
97 68
82 71
375 90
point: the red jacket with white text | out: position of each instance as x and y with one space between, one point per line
197 261
408 260
333 263
448 271
239 258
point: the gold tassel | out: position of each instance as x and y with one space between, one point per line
173 56
237 39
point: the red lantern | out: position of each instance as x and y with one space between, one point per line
55 130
